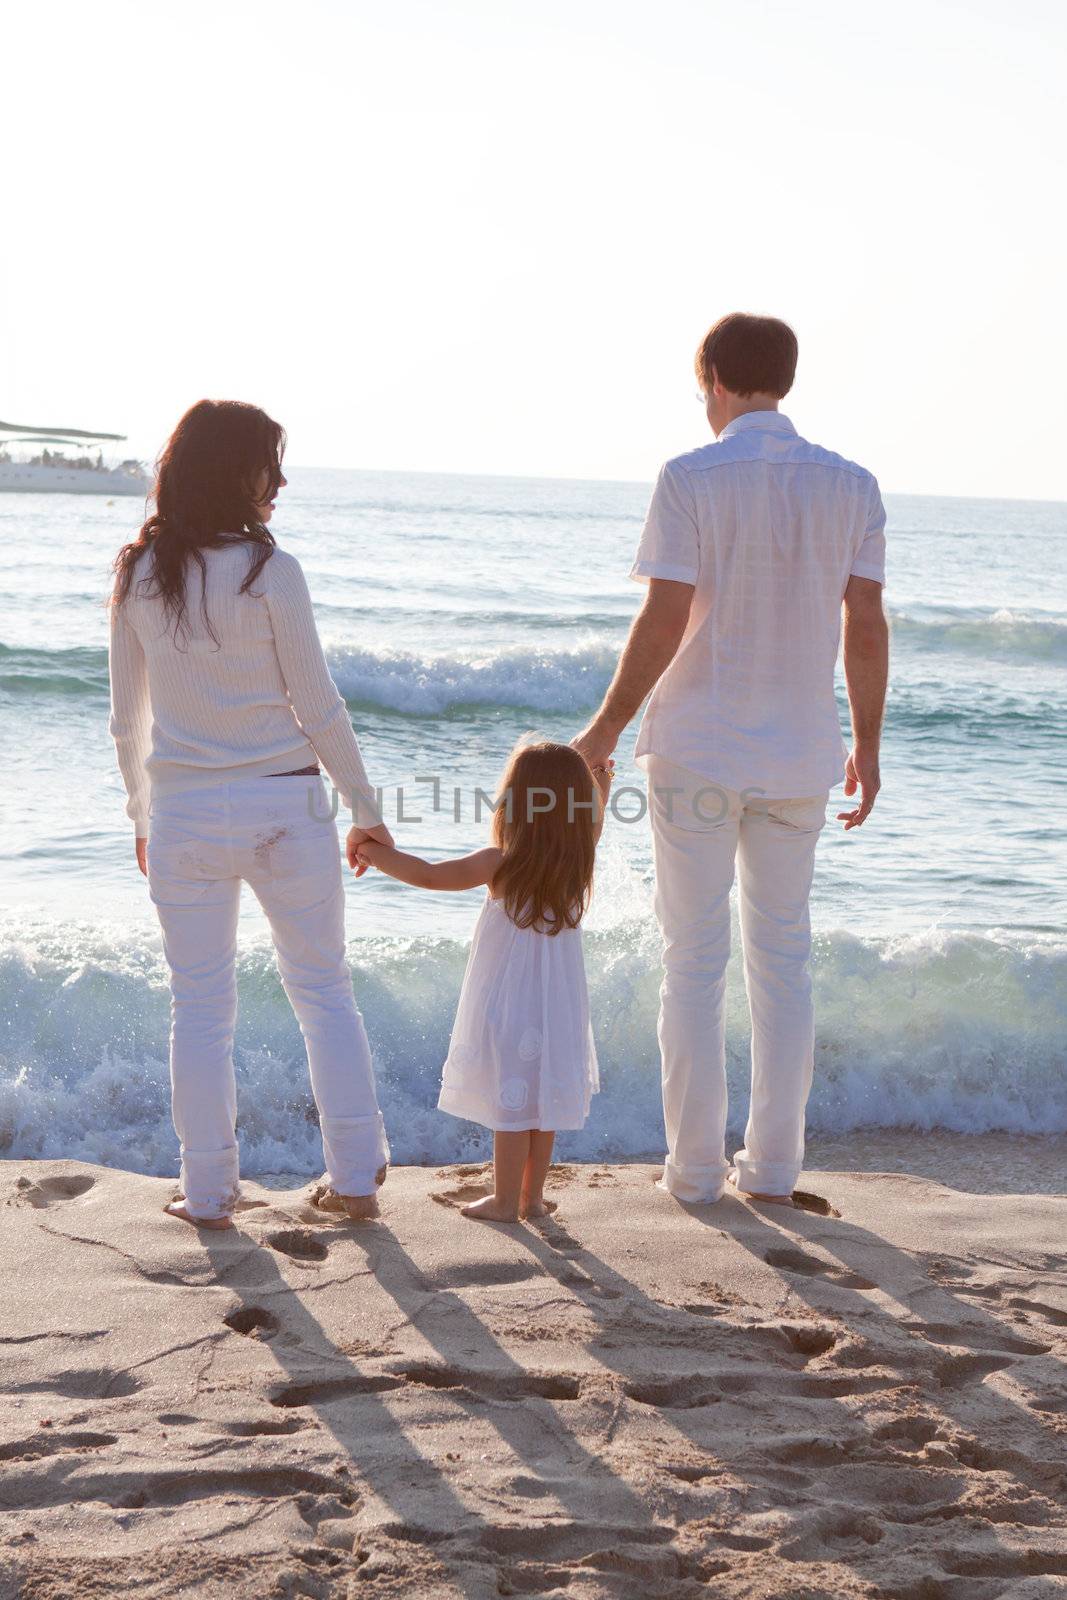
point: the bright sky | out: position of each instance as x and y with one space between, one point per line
486 235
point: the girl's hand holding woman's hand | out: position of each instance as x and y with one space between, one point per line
142 855
360 836
602 776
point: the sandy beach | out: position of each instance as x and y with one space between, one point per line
633 1398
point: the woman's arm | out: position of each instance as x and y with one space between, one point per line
317 706
465 872
131 719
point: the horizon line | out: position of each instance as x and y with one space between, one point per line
643 483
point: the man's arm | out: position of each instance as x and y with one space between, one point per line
866 677
654 638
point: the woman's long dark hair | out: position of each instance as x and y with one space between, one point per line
209 482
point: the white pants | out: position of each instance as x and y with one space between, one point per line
275 834
698 829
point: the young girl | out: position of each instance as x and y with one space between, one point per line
522 1060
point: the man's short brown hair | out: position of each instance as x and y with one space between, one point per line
751 355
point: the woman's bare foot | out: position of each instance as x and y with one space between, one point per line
768 1199
537 1208
179 1209
490 1210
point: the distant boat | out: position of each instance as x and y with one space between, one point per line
58 469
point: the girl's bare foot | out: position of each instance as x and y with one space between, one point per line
179 1208
768 1199
537 1208
490 1210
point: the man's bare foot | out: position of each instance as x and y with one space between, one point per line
179 1209
357 1207
537 1208
490 1210
768 1199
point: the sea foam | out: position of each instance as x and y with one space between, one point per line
944 1030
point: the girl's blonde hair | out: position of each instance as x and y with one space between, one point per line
545 823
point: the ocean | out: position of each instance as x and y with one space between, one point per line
459 613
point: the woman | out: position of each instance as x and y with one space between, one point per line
222 707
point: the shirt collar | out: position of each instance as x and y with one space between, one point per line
766 421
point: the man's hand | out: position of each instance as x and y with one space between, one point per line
356 837
861 772
596 743
141 846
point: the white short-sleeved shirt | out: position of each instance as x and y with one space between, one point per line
769 529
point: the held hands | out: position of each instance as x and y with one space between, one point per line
861 772
602 777
361 836
596 744
369 854
141 846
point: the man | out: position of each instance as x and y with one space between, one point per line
751 546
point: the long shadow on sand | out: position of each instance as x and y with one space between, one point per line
323 1380
351 1401
924 1370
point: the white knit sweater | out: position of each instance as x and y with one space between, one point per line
187 712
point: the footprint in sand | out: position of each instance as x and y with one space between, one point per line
558 1239
96 1383
461 1195
798 1261
265 1428
817 1203
976 1338
1056 1406
916 1431
299 1244
53 1444
1053 1314
508 1386
690 1472
807 1338
253 1321
484 1275
955 1371
51 1191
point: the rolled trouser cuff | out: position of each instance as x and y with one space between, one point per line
210 1182
765 1177
694 1185
355 1149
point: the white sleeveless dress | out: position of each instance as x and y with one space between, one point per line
522 1053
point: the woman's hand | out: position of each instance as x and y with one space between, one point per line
142 855
358 836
